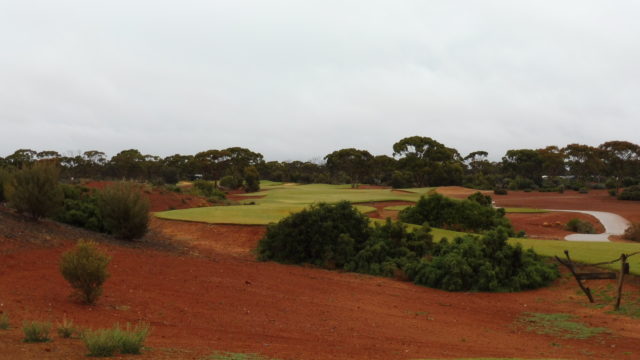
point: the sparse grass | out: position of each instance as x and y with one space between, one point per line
4 321
524 211
36 331
65 328
561 325
107 342
235 356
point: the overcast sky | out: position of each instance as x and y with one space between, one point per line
296 80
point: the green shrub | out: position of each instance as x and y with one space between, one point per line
35 190
107 342
484 200
630 193
579 226
80 208
583 190
401 179
462 215
633 232
613 192
65 328
488 263
231 182
4 321
85 268
124 210
500 191
251 179
36 331
5 179
324 235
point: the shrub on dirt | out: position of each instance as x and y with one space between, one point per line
579 226
4 321
633 232
5 177
390 249
208 189
85 268
487 263
124 210
107 342
630 193
500 191
251 179
231 182
35 190
36 331
463 215
326 235
66 329
80 208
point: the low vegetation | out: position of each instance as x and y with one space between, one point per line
36 331
34 190
630 193
66 328
633 232
580 226
80 208
108 342
561 325
124 210
473 215
235 356
338 236
85 268
4 321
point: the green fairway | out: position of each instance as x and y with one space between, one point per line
281 199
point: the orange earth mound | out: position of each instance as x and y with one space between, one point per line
213 295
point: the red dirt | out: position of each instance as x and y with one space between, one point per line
595 200
224 300
549 225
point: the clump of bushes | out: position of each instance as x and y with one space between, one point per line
208 189
108 342
124 210
462 215
231 182
500 191
485 263
36 331
480 198
35 191
5 177
579 226
80 208
630 193
251 179
338 236
633 232
85 268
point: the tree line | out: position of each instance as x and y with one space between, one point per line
417 161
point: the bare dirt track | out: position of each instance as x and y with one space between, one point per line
222 299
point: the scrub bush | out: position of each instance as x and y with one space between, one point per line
484 200
85 268
462 215
124 210
35 190
500 192
231 182
580 226
107 342
251 179
80 208
630 193
633 232
36 331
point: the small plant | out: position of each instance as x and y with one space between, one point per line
4 321
85 268
613 192
500 192
633 232
580 226
65 328
236 356
36 331
107 342
630 193
583 190
35 191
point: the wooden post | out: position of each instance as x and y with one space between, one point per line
623 261
569 264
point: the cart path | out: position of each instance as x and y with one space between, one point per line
613 225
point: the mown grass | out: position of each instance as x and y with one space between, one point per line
510 210
561 325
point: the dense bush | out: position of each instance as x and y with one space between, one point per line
80 208
440 211
390 249
480 198
633 232
488 263
630 193
251 179
35 190
124 210
500 191
401 179
85 268
208 189
324 235
579 226
521 183
231 182
5 177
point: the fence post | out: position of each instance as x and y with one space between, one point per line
623 261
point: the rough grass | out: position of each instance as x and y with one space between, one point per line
36 331
561 325
4 321
510 210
